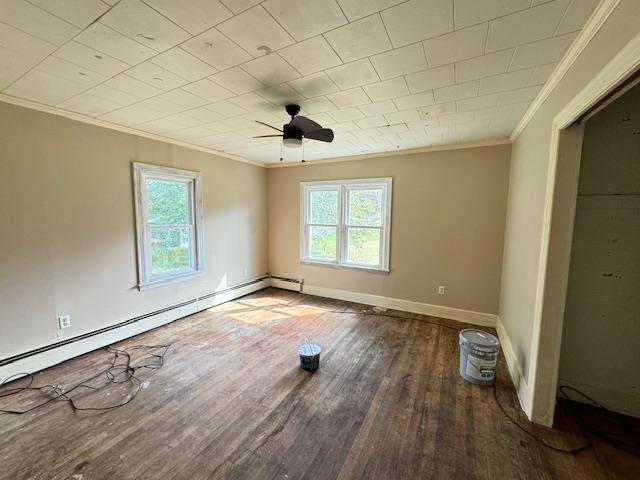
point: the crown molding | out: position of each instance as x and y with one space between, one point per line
21 102
600 15
395 153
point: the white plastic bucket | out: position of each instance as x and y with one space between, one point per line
478 356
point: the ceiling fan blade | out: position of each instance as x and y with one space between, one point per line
323 134
265 136
305 124
267 125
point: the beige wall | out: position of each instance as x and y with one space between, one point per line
448 215
601 329
67 242
528 177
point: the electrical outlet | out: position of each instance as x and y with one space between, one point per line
441 290
64 321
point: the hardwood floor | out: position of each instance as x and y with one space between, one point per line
232 403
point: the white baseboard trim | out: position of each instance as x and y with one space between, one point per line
58 354
515 370
467 316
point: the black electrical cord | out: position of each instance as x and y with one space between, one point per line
117 373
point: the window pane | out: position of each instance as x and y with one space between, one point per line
365 207
167 202
170 250
324 207
364 246
323 243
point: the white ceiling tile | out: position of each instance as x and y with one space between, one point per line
477 103
344 127
252 102
89 58
161 105
576 16
378 108
355 9
19 52
281 94
205 115
349 98
106 40
132 115
346 114
43 87
314 85
195 16
306 18
402 117
270 69
183 64
526 26
417 20
423 99
130 85
144 25
359 39
35 21
373 123
517 96
541 52
14 66
73 73
456 46
255 28
237 6
470 12
112 95
387 89
397 128
183 98
484 66
317 105
89 105
310 56
80 13
353 74
517 79
170 123
192 133
456 118
237 80
430 79
216 49
156 75
456 92
208 90
226 109
428 113
400 61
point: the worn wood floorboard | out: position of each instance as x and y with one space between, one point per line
232 403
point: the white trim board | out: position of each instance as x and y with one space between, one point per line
467 316
600 15
515 369
56 355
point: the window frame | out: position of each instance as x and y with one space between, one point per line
344 187
142 172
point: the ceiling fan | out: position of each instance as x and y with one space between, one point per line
298 128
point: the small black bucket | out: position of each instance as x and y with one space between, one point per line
309 356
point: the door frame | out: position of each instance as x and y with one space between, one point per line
557 229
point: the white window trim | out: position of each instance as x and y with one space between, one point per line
142 171
343 187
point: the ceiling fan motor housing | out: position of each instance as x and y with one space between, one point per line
292 136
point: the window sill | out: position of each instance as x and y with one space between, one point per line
166 281
343 266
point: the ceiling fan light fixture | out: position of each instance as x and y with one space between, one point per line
292 142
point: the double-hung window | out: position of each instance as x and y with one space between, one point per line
168 223
346 222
